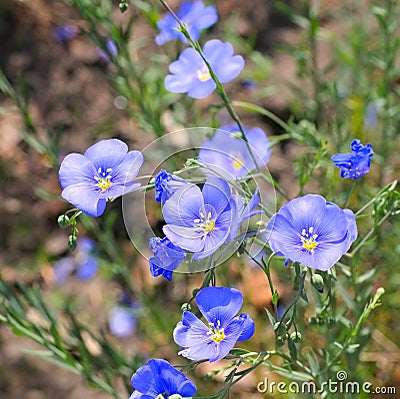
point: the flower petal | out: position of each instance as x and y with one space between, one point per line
106 151
188 238
86 198
248 328
219 304
217 193
76 168
202 89
184 206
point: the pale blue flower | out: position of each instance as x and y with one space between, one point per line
312 231
189 74
213 341
106 170
195 16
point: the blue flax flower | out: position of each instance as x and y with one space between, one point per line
122 321
214 340
191 75
229 155
167 257
166 184
65 33
105 170
158 379
199 220
312 231
195 16
355 164
82 262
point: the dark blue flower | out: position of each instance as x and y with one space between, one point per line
166 184
312 231
214 340
82 262
195 16
106 170
167 257
158 379
199 220
228 154
189 74
122 321
355 164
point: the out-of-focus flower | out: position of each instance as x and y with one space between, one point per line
158 379
199 220
65 33
214 340
355 164
166 184
167 257
82 262
228 154
122 321
371 116
106 170
189 74
111 50
195 16
312 231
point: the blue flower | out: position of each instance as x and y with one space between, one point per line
104 171
355 164
229 155
158 379
219 306
199 220
371 116
312 231
122 321
195 16
65 33
111 50
191 75
166 184
167 257
82 262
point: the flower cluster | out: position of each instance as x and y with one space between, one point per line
355 164
198 221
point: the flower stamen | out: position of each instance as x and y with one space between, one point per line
308 239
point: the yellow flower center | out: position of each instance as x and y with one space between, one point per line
104 178
204 75
217 335
237 162
308 239
205 222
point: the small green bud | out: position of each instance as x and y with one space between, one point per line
296 336
279 328
63 221
280 342
72 242
186 306
123 6
317 282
